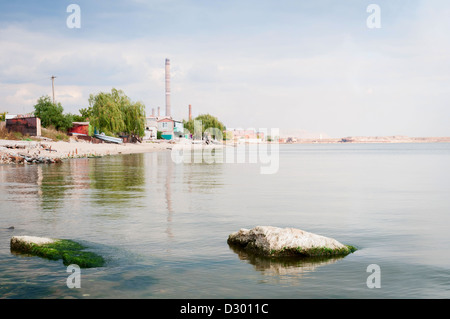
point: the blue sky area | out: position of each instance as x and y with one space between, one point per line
312 67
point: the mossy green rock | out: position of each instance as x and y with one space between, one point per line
69 251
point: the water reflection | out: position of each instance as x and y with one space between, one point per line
287 270
47 184
111 180
168 196
20 183
206 178
53 183
117 180
182 184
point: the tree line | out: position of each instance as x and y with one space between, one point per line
111 113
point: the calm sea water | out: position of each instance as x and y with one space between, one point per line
163 226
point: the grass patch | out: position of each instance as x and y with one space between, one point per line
6 135
45 132
69 251
54 134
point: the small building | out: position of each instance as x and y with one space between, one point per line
151 128
79 128
170 128
25 125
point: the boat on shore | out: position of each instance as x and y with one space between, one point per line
109 139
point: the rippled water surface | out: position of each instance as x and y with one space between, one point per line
163 226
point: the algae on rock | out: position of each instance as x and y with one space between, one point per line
69 251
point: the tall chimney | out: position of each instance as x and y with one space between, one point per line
153 111
190 112
168 87
158 111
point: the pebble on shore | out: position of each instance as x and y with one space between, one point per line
22 159
26 153
33 152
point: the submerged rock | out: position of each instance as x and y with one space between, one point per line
54 249
275 241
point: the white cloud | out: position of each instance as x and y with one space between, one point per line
336 82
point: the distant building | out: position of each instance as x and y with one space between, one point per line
151 128
244 135
170 128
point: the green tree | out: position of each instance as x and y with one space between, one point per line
3 116
114 113
227 136
208 122
86 113
52 114
78 118
189 125
106 114
134 118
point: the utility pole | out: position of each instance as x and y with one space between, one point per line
53 88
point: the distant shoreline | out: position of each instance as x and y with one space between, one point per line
28 152
369 140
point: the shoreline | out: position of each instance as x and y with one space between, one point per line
29 152
371 140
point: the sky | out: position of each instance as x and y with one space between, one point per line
304 67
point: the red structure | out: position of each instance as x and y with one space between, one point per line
79 128
25 125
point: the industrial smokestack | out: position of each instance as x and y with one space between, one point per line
153 111
158 111
190 112
168 87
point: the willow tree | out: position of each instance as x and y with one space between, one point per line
114 113
208 123
134 119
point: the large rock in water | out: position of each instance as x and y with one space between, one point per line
274 241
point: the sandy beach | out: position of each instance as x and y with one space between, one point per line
50 151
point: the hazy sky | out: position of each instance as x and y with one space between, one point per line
311 66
